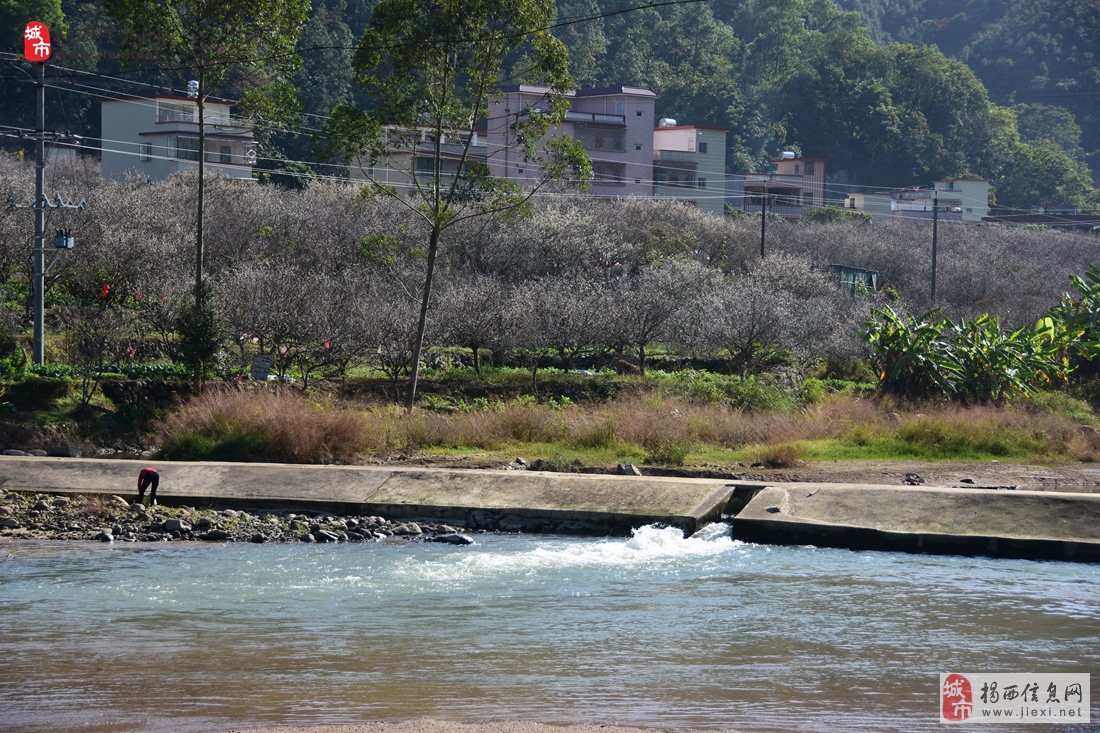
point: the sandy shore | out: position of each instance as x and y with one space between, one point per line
442 726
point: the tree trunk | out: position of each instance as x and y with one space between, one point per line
641 359
422 325
477 359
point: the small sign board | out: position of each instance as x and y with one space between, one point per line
261 366
36 42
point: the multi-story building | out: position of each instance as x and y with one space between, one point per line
614 124
797 183
158 136
956 199
969 194
689 164
410 160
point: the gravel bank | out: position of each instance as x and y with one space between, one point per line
114 518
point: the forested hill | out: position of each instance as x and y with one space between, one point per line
1040 56
1010 95
889 97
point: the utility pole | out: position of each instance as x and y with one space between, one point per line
40 205
37 49
935 237
763 217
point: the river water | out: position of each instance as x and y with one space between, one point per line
655 630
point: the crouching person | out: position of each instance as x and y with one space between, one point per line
148 479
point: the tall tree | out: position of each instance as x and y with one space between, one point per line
210 39
431 66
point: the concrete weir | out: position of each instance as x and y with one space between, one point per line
529 501
1039 525
1020 524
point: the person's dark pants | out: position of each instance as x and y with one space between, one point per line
148 481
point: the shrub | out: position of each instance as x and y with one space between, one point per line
264 426
35 392
664 450
785 455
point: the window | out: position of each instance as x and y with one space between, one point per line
637 146
146 151
225 154
798 169
187 148
809 167
637 113
637 181
701 183
702 147
425 165
620 108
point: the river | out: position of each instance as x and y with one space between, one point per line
654 630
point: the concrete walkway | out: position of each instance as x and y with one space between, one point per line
1029 524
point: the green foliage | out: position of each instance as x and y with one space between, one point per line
910 355
832 214
993 365
195 446
665 450
1060 403
14 14
38 392
1075 324
975 361
200 335
749 393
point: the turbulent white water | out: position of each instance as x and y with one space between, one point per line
656 630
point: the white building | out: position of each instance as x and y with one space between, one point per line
689 164
158 136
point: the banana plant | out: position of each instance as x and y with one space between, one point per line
911 355
995 364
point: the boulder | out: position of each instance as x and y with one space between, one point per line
214 535
408 528
118 501
176 525
12 452
9 523
324 536
204 523
105 536
628 469
453 539
37 452
64 450
258 538
42 505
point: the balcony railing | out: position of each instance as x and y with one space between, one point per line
191 117
595 118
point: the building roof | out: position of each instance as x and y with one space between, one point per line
122 97
610 91
975 179
601 92
713 128
798 157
